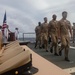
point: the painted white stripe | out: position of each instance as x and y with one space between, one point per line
70 46
70 70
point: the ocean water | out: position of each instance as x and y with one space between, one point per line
28 39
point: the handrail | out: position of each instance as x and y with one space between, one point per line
28 33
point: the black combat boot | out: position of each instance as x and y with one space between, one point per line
60 53
56 54
46 50
51 50
67 59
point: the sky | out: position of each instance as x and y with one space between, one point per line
25 14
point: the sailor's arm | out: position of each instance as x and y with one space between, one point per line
58 29
70 29
36 30
49 25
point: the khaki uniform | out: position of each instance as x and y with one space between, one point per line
53 31
64 26
44 35
73 33
0 40
38 35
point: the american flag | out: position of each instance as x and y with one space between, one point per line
4 23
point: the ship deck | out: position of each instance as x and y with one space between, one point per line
42 67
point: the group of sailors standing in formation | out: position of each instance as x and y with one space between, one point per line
57 30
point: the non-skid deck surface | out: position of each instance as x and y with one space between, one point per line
43 66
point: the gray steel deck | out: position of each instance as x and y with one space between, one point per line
58 60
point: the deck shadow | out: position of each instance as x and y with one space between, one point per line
34 70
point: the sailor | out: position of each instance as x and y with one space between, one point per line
53 30
73 31
16 34
64 27
38 34
1 37
6 33
44 34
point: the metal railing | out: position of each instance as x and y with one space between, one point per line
31 34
